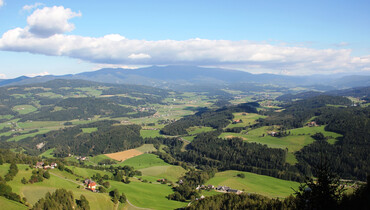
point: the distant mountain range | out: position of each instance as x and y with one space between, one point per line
169 76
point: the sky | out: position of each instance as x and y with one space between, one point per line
280 37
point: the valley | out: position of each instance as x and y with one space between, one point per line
146 141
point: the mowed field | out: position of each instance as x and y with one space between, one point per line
124 155
254 183
147 195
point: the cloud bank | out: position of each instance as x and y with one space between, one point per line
46 34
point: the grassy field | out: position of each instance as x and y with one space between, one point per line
24 109
96 159
149 133
144 161
89 130
20 137
199 129
8 204
248 119
145 148
47 153
86 172
168 172
254 183
146 195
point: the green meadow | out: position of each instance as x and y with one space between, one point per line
169 172
199 129
254 183
24 109
247 119
8 204
89 130
147 195
47 153
145 148
144 161
149 133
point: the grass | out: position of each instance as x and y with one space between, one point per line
146 195
89 130
96 159
169 172
20 137
47 153
144 161
149 133
199 129
145 148
9 204
254 183
88 173
248 119
24 109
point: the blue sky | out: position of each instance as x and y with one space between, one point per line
282 37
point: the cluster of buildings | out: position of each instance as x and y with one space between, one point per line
228 190
224 189
44 166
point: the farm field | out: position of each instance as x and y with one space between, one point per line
199 129
124 155
89 130
149 133
169 172
47 153
24 109
144 161
146 195
247 119
254 183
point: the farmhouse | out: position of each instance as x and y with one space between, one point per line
312 124
91 185
237 121
39 165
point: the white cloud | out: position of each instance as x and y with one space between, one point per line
103 65
45 35
32 6
139 56
1 3
38 74
2 76
49 21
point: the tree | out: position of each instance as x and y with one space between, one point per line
24 180
324 193
46 175
122 198
115 195
83 203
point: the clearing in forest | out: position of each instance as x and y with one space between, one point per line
124 155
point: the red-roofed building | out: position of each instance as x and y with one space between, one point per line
92 186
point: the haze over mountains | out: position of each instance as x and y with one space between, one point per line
191 75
